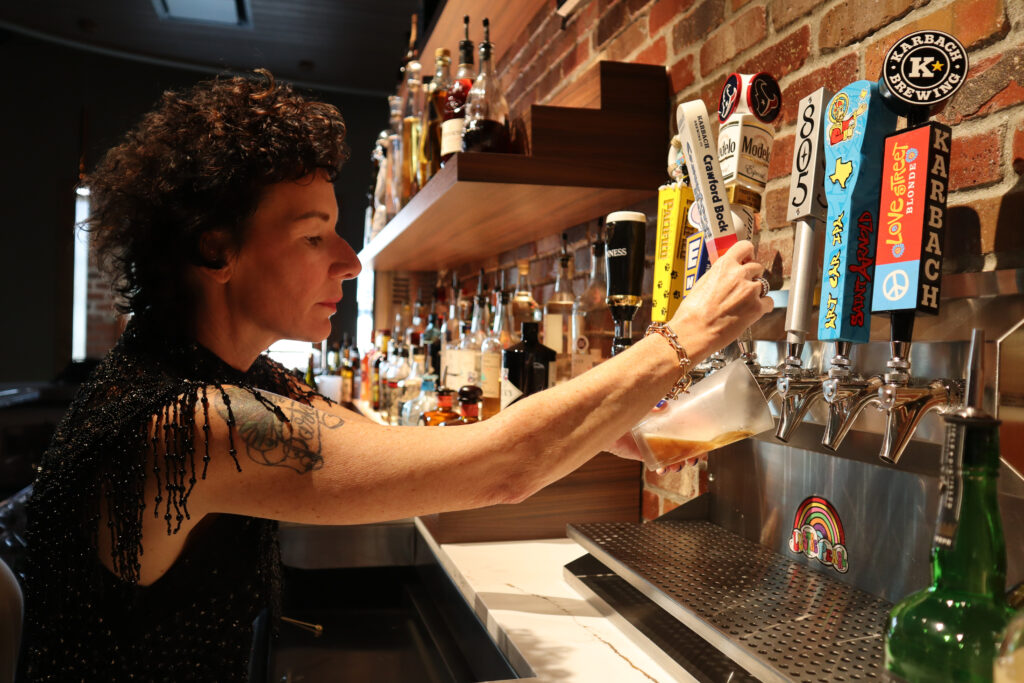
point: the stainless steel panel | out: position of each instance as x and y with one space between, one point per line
776 618
888 516
387 544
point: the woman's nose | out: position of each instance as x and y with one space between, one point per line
346 265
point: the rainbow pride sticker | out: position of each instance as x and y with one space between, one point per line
818 534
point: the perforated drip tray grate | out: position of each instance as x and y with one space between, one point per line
775 618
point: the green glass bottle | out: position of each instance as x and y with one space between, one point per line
951 630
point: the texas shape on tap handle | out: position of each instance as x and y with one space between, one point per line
856 123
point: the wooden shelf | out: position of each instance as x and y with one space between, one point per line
583 163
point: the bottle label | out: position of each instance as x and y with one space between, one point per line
490 374
510 393
451 136
950 486
581 362
553 332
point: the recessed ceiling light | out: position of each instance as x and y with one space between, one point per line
219 12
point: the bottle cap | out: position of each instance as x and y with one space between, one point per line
442 53
470 393
530 330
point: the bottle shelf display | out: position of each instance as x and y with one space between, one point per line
582 163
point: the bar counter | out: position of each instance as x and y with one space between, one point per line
517 589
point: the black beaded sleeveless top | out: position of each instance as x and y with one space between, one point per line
195 623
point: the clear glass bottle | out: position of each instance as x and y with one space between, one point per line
592 319
524 307
558 317
487 124
396 200
455 105
426 401
436 95
397 372
497 339
451 329
380 196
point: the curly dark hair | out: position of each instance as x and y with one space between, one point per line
198 162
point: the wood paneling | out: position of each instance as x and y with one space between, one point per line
606 489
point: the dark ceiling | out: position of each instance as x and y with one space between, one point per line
352 46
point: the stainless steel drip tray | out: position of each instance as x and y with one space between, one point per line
777 619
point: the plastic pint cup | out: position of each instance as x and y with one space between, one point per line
724 407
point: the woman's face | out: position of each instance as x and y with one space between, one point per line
285 280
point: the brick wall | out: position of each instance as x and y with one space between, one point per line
805 44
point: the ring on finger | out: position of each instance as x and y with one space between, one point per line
765 287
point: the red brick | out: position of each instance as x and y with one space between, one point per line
781 162
774 207
650 505
741 33
774 252
635 6
681 74
851 20
836 75
1017 154
575 57
785 12
652 54
975 23
663 11
738 4
976 160
992 85
693 28
785 56
626 42
610 23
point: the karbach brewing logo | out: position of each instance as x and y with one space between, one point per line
818 534
925 67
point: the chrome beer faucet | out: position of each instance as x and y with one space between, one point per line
797 387
847 396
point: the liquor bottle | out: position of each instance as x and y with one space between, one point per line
356 366
455 105
525 367
950 631
398 371
443 412
436 95
504 326
524 307
379 363
396 198
412 120
558 317
431 341
379 157
487 126
471 343
497 339
597 317
426 401
409 387
334 352
310 378
469 397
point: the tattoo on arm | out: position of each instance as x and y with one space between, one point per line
296 444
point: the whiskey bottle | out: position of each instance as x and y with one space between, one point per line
412 120
436 95
455 105
487 125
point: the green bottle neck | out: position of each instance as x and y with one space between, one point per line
975 563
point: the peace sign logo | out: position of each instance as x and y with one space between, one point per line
895 285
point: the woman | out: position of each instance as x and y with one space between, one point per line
152 545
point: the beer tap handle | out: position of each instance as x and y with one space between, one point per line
807 208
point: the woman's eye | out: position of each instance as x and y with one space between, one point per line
315 240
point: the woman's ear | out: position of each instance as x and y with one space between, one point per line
217 255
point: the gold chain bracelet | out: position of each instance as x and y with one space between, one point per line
682 385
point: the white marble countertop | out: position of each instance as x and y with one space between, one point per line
517 590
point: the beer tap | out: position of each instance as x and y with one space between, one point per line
856 120
624 266
799 387
920 71
747 107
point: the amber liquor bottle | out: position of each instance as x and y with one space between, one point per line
487 128
455 105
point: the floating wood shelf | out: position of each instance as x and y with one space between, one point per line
583 163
